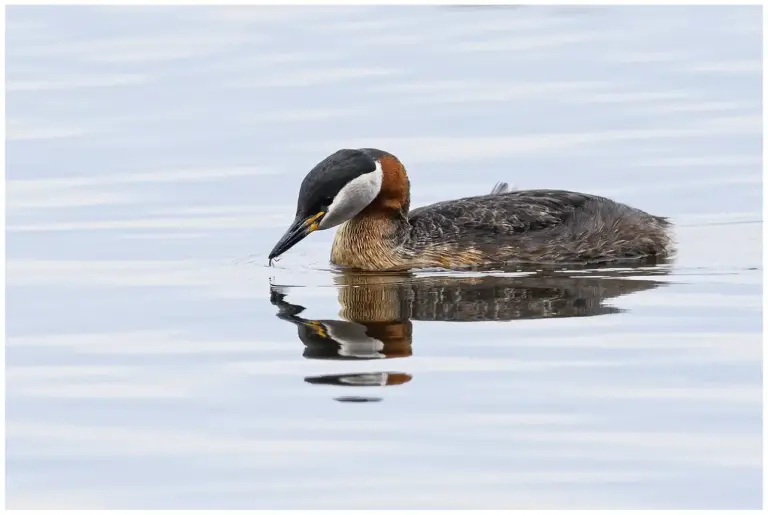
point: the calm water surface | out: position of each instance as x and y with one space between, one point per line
155 361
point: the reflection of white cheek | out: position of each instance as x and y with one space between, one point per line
372 379
368 348
354 341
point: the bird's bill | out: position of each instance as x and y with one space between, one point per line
299 229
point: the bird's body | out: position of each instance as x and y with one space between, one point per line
525 226
533 226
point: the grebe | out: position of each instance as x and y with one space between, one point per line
367 192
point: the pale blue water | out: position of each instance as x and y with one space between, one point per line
153 159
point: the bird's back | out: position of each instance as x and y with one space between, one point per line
537 226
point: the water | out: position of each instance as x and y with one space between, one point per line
155 361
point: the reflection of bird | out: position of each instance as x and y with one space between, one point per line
367 192
366 379
366 298
376 310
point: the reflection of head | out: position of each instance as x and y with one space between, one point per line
341 339
366 379
344 339
377 309
369 379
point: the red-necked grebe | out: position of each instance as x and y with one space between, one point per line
367 192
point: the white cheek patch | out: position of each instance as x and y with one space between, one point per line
353 198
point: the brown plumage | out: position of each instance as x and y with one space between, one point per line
503 227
